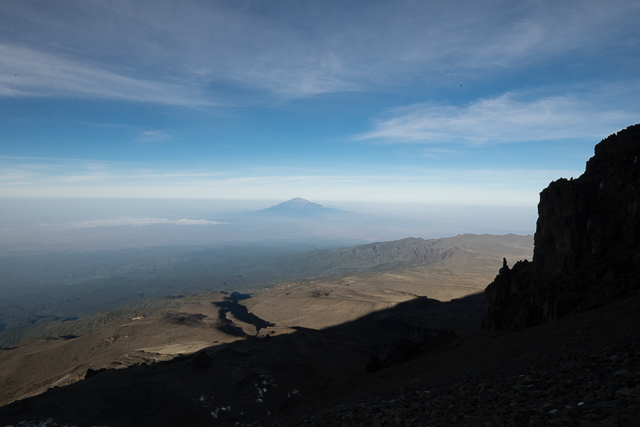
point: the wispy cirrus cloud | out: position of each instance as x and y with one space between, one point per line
290 52
22 172
153 136
503 119
26 72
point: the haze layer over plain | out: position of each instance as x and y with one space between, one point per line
94 224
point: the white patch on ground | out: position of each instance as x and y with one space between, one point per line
294 392
262 387
215 412
48 423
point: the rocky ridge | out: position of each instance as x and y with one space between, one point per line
586 243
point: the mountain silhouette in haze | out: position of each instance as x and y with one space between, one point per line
299 208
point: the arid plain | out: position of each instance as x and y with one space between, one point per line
173 326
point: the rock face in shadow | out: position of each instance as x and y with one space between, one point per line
587 243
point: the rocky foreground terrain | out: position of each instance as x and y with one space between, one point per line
583 370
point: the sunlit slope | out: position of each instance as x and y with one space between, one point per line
394 272
140 334
463 250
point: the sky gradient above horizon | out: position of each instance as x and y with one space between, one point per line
407 101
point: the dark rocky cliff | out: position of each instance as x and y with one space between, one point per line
587 243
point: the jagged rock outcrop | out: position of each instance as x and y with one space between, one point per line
587 243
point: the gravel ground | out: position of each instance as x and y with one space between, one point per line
597 389
582 371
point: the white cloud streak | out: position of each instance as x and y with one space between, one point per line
116 222
153 136
503 119
29 73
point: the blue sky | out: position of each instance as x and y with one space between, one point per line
468 102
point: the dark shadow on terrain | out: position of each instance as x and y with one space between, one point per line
240 312
254 376
238 296
187 319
